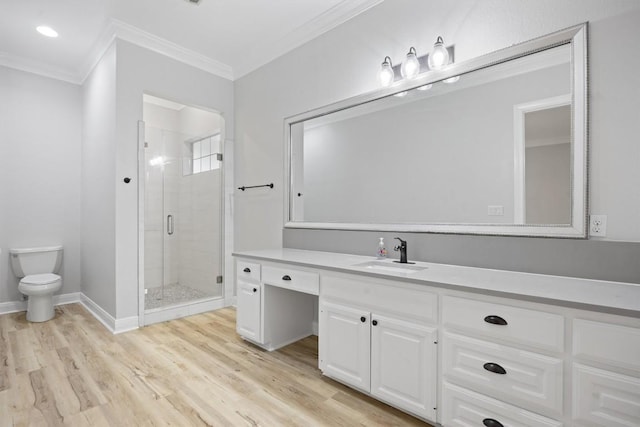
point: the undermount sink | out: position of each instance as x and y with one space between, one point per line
390 267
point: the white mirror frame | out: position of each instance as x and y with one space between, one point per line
577 37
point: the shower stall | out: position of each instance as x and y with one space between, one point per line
183 231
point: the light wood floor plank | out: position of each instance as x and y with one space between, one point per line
195 371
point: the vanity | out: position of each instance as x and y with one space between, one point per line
453 345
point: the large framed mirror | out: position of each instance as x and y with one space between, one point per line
495 145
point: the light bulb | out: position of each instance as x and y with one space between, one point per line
47 31
439 56
452 79
425 87
401 94
386 74
411 66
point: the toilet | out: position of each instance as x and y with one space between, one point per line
37 268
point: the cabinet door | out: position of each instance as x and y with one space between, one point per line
344 344
403 365
249 313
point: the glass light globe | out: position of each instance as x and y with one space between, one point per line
411 66
439 56
386 74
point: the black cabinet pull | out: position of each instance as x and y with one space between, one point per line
375 322
490 422
363 319
495 368
247 270
286 277
255 290
495 320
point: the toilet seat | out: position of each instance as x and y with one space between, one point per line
40 279
40 284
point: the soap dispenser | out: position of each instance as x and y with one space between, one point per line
382 251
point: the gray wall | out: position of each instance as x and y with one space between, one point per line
601 260
343 63
40 134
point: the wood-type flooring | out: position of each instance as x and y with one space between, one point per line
195 371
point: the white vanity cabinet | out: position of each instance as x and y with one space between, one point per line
606 374
277 303
456 346
249 290
380 337
510 358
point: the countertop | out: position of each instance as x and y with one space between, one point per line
611 297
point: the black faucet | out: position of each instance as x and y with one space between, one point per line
402 247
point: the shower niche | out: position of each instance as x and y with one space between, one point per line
183 210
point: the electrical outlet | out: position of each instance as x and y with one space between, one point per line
598 225
146 291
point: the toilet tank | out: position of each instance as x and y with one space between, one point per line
26 261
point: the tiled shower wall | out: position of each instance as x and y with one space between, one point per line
192 254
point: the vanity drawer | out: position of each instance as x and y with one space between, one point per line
608 343
605 398
515 376
406 301
517 325
291 278
248 270
464 408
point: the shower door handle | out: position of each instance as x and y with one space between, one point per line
169 225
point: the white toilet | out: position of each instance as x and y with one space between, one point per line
36 267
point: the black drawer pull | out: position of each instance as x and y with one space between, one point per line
490 422
495 368
375 322
363 319
286 277
495 320
247 270
255 290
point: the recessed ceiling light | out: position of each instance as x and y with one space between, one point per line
47 31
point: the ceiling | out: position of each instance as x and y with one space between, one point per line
227 37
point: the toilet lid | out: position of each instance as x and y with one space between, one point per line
40 279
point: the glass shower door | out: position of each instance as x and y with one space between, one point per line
183 219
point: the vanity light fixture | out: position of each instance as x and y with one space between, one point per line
386 74
411 66
47 31
439 56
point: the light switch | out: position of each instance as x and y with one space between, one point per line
495 210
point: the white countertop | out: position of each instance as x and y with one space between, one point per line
613 297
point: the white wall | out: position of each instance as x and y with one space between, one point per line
40 134
344 62
99 183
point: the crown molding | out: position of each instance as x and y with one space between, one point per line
258 56
330 19
38 67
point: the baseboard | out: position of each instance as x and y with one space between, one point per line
126 324
16 306
12 307
99 313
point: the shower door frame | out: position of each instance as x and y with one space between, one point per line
171 313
